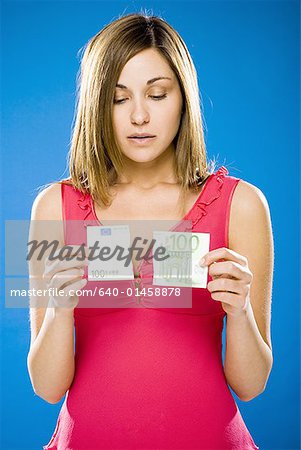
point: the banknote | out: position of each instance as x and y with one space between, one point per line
108 245
182 267
176 260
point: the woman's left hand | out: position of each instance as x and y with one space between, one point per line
232 280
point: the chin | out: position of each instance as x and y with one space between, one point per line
142 155
145 159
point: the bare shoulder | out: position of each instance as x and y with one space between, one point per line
248 197
48 204
248 205
47 215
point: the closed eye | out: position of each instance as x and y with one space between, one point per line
154 97
158 97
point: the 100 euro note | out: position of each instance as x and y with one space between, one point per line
111 268
182 267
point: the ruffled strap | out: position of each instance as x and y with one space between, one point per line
211 193
84 202
76 204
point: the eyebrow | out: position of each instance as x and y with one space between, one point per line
151 81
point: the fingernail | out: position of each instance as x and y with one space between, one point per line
202 261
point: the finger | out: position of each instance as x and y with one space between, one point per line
70 290
229 298
69 298
225 254
229 269
63 273
226 285
64 265
238 303
62 279
75 252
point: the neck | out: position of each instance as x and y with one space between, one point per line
151 173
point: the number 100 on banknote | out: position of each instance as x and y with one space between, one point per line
181 267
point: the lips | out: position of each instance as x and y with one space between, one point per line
142 140
141 136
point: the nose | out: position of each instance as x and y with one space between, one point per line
139 114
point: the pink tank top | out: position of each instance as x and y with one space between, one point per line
149 377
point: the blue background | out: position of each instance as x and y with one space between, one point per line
247 57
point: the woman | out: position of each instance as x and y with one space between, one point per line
150 377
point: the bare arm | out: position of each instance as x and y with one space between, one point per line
243 283
50 359
248 359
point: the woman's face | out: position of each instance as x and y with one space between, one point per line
145 104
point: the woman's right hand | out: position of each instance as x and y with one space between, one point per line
65 276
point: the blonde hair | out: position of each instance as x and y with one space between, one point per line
95 159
